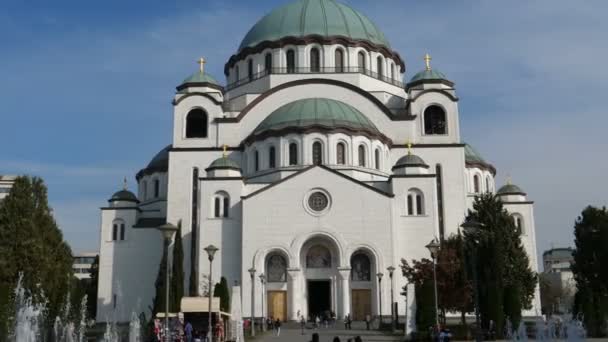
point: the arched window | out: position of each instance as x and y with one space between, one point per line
315 60
276 269
256 161
272 162
250 69
361 155
434 120
392 70
410 204
291 61
196 124
340 154
317 153
318 257
156 188
226 206
518 220
360 267
268 62
236 73
144 188
361 61
217 207
293 154
377 159
339 60
122 232
380 66
114 232
221 204
488 182
476 184
415 202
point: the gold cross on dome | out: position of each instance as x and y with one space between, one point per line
509 182
124 183
201 62
427 61
409 146
225 153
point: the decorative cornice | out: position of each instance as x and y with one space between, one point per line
310 39
425 175
318 129
200 84
205 149
432 81
176 102
440 91
220 178
429 145
482 166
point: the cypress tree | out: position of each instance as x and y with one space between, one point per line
31 244
222 291
159 299
425 306
92 289
177 271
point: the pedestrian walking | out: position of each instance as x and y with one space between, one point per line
336 339
277 326
302 323
317 321
315 337
368 321
188 331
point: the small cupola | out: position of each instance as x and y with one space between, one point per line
410 164
123 198
429 78
224 167
200 81
511 193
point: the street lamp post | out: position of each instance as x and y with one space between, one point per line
263 282
167 230
472 227
252 273
433 247
379 275
211 249
390 270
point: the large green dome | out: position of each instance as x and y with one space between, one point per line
316 112
326 18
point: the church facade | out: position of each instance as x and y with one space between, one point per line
315 165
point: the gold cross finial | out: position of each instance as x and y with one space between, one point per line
509 182
124 183
201 62
409 146
225 153
427 61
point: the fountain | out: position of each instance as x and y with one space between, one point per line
28 316
134 328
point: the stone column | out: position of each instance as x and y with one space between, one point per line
293 294
345 290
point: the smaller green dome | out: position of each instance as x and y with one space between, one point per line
124 195
201 77
510 189
224 163
316 112
427 75
410 160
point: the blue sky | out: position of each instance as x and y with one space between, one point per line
86 90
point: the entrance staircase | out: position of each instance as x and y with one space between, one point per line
291 331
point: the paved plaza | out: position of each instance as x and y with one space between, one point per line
292 332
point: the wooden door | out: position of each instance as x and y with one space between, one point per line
277 305
361 304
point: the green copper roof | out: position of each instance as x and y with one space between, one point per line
428 75
316 112
201 77
307 17
410 160
471 155
224 163
124 195
510 189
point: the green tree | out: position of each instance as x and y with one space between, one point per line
503 267
177 271
454 290
92 289
222 291
589 268
31 244
160 285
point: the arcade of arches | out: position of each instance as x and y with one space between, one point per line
321 285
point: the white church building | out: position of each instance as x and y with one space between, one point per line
315 165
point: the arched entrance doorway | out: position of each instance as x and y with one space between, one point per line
362 283
320 260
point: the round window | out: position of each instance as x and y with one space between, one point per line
318 201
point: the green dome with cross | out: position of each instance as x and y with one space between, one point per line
326 18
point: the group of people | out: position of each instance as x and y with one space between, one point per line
185 332
274 324
315 338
